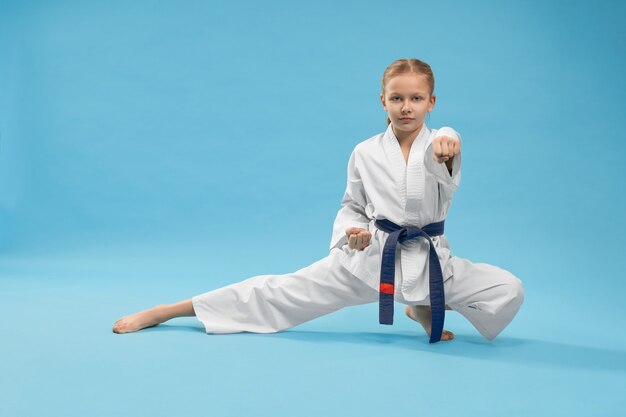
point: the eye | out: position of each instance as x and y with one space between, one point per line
395 98
417 98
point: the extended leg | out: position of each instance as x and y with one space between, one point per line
271 303
264 303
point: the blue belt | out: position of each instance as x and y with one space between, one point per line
388 273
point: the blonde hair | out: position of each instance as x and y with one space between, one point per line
405 66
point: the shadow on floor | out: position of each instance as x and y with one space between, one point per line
512 350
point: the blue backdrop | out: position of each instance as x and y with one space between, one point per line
153 150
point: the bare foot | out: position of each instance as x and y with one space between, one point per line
138 321
423 315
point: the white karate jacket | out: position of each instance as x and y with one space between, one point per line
381 186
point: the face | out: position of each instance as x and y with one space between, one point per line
407 101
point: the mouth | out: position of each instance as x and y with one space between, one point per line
405 119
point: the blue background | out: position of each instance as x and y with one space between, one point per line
151 151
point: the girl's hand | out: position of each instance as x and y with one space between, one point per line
358 238
445 148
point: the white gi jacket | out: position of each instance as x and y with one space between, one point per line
381 186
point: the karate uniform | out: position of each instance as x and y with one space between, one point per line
380 185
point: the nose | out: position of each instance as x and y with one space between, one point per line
406 108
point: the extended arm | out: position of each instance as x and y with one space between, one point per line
447 174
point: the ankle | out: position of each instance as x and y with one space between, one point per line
161 312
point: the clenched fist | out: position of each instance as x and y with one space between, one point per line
358 238
445 148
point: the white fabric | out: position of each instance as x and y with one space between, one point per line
489 297
271 303
380 185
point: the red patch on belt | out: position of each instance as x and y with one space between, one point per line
386 288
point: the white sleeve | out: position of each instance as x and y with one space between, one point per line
352 212
440 170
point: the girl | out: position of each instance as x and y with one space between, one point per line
387 244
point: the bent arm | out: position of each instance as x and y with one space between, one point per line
352 212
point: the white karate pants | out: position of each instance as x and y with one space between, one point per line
488 296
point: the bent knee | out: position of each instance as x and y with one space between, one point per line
506 296
511 295
512 286
516 290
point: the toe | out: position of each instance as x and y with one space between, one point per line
448 335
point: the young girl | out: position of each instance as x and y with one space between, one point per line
387 244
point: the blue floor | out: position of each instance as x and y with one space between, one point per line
60 356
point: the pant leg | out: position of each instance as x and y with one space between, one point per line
488 296
271 303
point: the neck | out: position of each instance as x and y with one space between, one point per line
407 137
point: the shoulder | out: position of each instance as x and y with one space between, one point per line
364 151
369 146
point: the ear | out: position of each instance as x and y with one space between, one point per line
431 104
382 100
